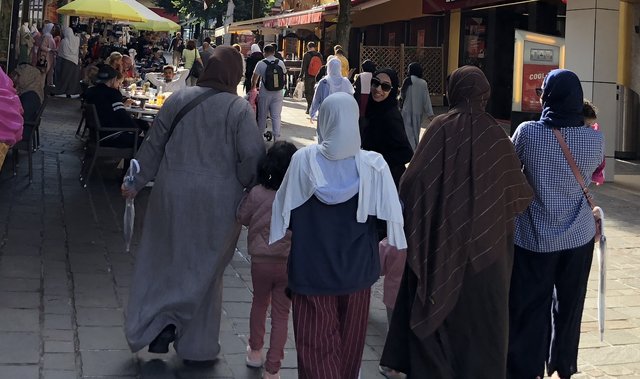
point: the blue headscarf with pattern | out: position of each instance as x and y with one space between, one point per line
562 100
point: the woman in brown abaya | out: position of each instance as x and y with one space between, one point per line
461 193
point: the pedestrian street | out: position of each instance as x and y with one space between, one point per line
65 275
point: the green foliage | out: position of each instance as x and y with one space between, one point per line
194 9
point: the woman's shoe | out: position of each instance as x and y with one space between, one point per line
268 375
390 373
192 363
160 345
254 358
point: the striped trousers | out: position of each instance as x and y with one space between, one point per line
330 333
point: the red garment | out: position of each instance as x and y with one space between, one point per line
269 284
254 211
598 174
392 262
10 112
330 333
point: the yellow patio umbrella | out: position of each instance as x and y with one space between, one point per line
162 25
153 21
107 9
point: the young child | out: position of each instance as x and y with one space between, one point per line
268 262
590 113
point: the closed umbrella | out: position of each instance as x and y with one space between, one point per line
601 253
130 209
106 9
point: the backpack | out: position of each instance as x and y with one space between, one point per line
274 79
314 65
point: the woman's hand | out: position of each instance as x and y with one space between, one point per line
128 193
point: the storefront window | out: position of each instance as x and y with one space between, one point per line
475 41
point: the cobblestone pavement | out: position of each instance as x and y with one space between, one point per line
64 276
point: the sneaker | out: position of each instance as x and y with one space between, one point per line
254 358
267 375
390 373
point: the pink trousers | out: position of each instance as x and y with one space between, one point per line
330 334
269 284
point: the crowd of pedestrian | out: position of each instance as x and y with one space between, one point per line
486 251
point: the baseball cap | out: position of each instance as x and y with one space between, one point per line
105 73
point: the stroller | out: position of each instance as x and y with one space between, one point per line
252 98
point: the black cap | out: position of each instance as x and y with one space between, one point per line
105 73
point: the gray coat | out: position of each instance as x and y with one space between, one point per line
416 106
190 229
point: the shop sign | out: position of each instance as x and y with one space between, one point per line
532 77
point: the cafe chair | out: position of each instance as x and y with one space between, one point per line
94 147
29 142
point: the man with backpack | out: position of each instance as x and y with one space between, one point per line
271 73
311 65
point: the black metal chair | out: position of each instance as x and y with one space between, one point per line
29 142
94 146
83 87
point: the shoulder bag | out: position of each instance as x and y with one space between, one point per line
578 175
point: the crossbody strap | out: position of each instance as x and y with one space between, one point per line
574 166
187 108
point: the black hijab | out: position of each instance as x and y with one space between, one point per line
414 69
562 100
373 106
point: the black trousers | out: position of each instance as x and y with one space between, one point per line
545 309
309 90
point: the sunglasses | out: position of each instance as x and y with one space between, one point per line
539 92
375 83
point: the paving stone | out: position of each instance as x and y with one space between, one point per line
108 363
19 320
58 335
20 267
15 372
20 299
237 295
102 338
57 321
58 346
59 374
60 361
19 284
92 301
99 317
19 348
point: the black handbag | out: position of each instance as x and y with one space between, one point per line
196 69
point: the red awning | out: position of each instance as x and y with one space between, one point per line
163 13
295 18
436 6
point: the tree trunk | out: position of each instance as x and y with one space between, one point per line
344 25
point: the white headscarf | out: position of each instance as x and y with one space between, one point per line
69 46
332 167
338 132
48 27
337 83
255 48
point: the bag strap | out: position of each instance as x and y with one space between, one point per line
187 108
574 167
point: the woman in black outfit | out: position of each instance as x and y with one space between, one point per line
255 56
383 129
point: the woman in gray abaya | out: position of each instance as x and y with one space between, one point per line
190 229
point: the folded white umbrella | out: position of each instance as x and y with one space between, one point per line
130 209
601 253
